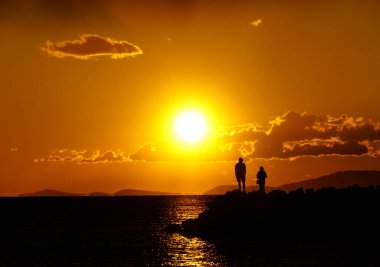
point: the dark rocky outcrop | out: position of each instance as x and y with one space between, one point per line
337 179
350 213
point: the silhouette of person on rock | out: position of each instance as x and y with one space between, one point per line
240 171
261 176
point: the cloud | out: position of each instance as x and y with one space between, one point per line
314 135
293 134
347 148
286 137
256 23
91 45
66 155
108 156
84 157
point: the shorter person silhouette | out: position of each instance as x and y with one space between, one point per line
240 171
261 176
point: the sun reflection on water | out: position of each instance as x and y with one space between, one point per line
192 252
183 251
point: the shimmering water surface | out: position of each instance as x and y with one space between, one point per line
177 250
108 231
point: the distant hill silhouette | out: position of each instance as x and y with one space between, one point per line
99 194
50 193
124 192
136 192
338 179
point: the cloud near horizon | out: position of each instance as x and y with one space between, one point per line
83 156
91 45
291 135
288 137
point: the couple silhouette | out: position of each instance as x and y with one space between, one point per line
240 172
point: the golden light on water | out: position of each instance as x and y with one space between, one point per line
193 252
187 251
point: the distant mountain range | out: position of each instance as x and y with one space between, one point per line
99 194
135 192
337 179
50 193
124 192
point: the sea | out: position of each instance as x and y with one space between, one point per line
130 231
102 231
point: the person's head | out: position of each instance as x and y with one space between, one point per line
261 168
240 159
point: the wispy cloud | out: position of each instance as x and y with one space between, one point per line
108 156
256 23
84 157
91 45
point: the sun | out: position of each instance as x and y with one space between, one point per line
190 126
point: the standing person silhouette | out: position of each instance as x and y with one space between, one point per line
261 176
240 171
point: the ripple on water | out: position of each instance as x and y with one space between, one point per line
177 250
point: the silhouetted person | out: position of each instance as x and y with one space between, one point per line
240 171
261 176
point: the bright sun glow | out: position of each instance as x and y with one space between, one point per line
190 126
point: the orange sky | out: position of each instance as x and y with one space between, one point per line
90 90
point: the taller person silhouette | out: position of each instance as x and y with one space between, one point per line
240 171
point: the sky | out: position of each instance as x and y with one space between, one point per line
89 92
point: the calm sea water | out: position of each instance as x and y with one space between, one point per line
104 231
129 231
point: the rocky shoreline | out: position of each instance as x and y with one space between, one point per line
328 215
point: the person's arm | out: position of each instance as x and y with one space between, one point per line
244 169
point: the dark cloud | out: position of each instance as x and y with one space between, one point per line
347 148
293 134
91 45
84 157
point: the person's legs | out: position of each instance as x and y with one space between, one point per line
243 181
262 187
239 184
